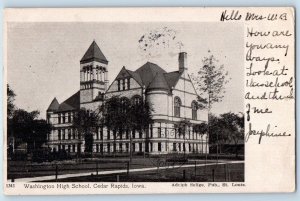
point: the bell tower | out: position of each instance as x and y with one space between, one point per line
93 75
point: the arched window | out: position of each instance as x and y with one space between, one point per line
177 104
194 110
136 99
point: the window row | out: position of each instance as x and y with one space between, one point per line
123 84
178 104
66 134
88 73
162 132
65 118
137 147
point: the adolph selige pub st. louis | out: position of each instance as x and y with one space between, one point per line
172 96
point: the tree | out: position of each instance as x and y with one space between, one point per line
228 127
211 81
10 102
234 125
27 128
183 127
121 114
202 129
86 123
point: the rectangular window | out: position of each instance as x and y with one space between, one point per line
108 148
119 88
174 146
69 117
127 134
128 83
59 118
73 146
59 134
124 85
63 134
133 147
69 133
133 134
64 118
151 131
120 147
115 134
101 133
159 132
108 134
101 148
166 132
73 132
140 135
151 146
121 134
115 147
159 146
97 148
69 148
141 147
127 147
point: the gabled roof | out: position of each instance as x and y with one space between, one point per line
136 76
72 103
53 105
94 54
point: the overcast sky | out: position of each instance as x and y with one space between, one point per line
43 58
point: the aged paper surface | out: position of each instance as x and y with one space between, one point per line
149 100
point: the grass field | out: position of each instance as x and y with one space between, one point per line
234 172
216 173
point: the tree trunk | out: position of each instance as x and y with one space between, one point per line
130 146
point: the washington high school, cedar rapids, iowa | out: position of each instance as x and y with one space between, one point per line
172 96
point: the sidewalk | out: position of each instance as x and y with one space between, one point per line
52 177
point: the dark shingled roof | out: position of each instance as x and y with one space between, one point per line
53 105
148 71
72 103
153 77
94 54
172 78
136 76
159 82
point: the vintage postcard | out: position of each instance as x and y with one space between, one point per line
149 100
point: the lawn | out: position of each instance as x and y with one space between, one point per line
21 169
216 173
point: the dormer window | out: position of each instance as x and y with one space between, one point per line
124 86
128 83
119 85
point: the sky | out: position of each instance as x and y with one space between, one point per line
43 58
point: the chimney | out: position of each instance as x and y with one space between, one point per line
182 59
